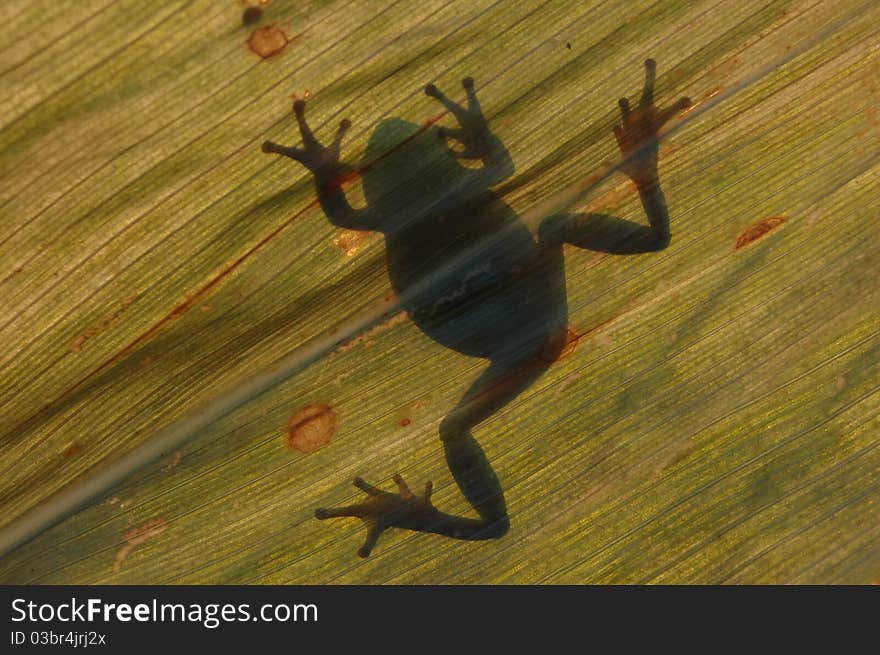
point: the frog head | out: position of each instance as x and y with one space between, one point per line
408 173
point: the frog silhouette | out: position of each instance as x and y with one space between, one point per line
472 276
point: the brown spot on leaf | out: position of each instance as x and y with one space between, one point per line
350 241
72 449
613 197
251 15
104 324
175 460
428 122
708 95
571 342
589 181
135 537
669 147
676 74
405 421
349 178
366 338
757 230
564 341
268 41
567 381
311 428
179 311
679 452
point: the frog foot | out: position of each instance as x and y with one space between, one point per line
472 132
383 510
314 156
637 134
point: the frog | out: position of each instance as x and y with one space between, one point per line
471 275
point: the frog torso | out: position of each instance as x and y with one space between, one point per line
458 256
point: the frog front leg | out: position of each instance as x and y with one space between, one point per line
329 172
477 140
637 138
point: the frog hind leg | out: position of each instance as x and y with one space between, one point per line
504 379
507 376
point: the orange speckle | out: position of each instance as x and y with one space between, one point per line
175 460
404 421
311 428
268 41
103 324
676 74
349 178
72 449
569 341
428 122
137 536
757 230
350 241
366 338
669 147
613 197
589 181
180 310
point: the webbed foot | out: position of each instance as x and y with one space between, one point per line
637 134
473 131
383 510
314 156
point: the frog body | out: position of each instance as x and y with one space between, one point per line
472 276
